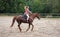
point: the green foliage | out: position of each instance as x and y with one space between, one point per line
41 6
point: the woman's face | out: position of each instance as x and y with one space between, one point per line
26 7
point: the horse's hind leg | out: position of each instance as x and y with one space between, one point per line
32 27
28 28
19 27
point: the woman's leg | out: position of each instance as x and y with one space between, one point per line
27 17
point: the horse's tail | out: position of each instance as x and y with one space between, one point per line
13 21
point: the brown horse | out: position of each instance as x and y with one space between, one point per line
20 20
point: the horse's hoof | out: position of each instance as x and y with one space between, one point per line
31 30
10 26
20 31
26 31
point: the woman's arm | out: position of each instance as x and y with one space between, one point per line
30 12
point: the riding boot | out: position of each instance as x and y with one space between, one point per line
27 20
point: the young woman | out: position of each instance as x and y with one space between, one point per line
27 12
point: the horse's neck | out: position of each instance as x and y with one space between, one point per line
32 17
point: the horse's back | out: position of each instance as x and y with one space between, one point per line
21 17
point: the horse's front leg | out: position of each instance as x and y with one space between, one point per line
32 27
19 27
28 28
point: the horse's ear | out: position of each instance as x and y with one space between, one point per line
39 15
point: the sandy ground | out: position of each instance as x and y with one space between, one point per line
42 28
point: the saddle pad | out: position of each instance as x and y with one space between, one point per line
25 17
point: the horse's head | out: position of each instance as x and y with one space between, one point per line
37 15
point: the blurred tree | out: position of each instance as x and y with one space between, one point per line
41 6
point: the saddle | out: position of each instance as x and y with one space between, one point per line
25 17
